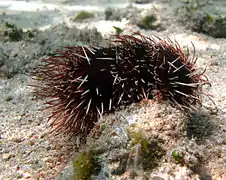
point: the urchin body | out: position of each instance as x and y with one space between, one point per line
82 83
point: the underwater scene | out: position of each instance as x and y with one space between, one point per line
113 89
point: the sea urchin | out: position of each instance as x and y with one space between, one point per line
82 83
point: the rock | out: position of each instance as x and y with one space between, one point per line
17 139
24 56
6 156
10 32
57 37
212 25
27 175
130 13
83 15
204 17
142 1
4 72
2 57
150 22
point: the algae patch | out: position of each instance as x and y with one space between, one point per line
11 32
85 164
83 15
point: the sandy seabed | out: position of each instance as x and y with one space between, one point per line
27 149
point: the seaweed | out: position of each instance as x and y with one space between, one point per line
85 164
82 15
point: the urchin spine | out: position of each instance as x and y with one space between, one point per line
83 83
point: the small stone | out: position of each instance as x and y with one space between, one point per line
132 174
144 177
46 159
116 141
215 63
157 178
6 156
42 174
9 98
27 175
142 1
18 176
31 143
43 134
17 139
2 57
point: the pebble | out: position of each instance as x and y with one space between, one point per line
6 157
132 174
31 142
115 141
17 139
27 175
2 57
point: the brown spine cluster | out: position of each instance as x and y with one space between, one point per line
80 83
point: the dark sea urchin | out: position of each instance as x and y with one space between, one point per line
82 83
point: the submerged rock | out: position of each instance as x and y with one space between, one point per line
204 17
